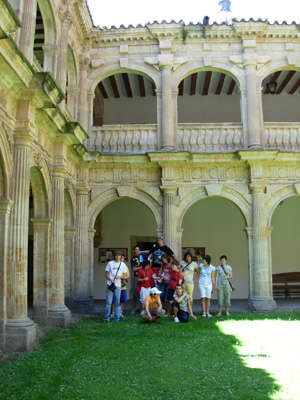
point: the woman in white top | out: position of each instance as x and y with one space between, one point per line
189 268
206 282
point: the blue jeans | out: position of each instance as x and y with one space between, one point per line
108 303
164 289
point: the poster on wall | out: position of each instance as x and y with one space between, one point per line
197 253
106 254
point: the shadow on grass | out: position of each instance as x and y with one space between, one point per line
133 360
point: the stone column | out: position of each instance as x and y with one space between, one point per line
5 209
28 28
50 51
84 65
62 62
83 302
167 105
253 111
178 248
90 99
41 246
20 331
72 95
169 217
69 263
261 298
58 313
91 263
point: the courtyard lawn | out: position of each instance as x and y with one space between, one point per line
249 356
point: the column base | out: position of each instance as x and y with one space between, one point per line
40 315
262 303
59 316
81 305
20 334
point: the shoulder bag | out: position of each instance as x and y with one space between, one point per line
232 288
112 287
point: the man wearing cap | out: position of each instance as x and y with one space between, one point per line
158 249
136 264
153 306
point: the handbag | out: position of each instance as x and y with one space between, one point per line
112 287
232 288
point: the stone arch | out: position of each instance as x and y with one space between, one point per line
109 69
69 209
235 197
72 68
112 194
6 153
40 195
278 197
50 41
190 68
274 66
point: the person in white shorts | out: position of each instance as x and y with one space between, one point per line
206 283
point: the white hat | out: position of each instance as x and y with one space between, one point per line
154 290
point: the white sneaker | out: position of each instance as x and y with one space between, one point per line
176 320
121 315
112 315
204 315
208 315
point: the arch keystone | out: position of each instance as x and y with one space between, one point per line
214 190
124 191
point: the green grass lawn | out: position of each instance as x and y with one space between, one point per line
249 356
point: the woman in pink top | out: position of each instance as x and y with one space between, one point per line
166 269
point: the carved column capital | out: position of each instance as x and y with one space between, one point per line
169 190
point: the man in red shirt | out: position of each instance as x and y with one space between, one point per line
145 281
175 279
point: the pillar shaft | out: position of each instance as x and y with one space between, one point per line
91 263
82 244
58 313
28 28
41 270
82 100
69 261
261 285
253 114
5 209
169 220
20 332
167 110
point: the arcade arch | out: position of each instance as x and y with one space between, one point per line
285 224
38 245
282 105
120 225
125 98
210 96
217 224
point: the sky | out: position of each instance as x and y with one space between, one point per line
134 12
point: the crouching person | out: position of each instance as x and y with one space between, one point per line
152 306
182 306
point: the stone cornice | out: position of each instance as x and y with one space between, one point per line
49 93
175 32
9 22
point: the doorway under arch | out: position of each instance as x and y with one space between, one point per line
217 225
119 225
285 235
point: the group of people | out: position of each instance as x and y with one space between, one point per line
158 276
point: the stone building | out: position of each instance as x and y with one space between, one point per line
110 136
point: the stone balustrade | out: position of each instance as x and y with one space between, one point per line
282 135
210 137
124 138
